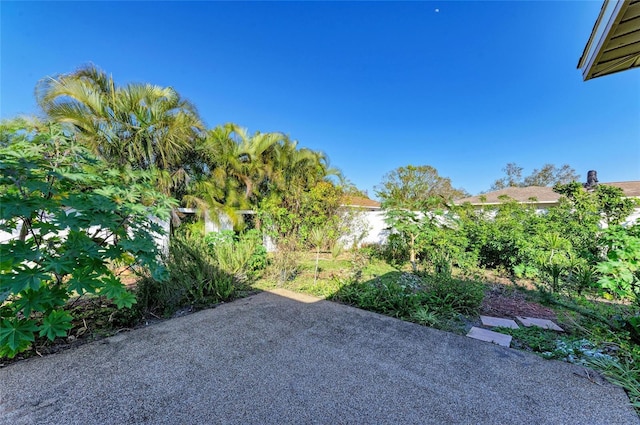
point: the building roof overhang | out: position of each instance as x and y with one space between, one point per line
614 44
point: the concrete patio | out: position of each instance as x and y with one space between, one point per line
279 357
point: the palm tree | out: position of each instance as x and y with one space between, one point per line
245 158
296 170
231 165
140 125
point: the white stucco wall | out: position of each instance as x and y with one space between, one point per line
366 227
634 218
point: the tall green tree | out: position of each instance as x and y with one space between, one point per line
298 194
416 187
548 175
143 126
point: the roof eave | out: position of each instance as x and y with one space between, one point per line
611 14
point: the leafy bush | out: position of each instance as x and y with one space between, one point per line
372 251
385 296
74 219
258 260
425 316
525 271
223 237
455 295
395 251
237 254
500 238
583 277
197 274
194 279
621 270
407 296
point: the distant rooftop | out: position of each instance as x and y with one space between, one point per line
539 194
361 202
521 194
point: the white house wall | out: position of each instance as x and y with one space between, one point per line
366 227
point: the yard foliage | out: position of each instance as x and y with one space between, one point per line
75 219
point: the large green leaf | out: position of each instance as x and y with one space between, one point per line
61 265
25 277
56 323
115 290
30 301
125 300
83 280
15 333
16 251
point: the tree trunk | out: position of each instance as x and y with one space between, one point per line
412 253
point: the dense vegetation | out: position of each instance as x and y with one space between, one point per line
84 188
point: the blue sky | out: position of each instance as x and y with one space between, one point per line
375 85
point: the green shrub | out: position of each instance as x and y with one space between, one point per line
196 272
425 316
223 237
258 260
385 296
526 271
455 295
75 218
407 296
194 279
621 269
237 254
372 251
395 251
159 297
583 277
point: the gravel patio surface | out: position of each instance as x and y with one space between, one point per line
284 358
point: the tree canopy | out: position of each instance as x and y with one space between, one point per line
415 187
548 175
148 127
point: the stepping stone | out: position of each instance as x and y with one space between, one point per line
490 336
541 323
496 321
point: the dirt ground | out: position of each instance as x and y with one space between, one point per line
505 301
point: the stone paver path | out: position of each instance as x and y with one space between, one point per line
541 323
490 336
497 321
502 339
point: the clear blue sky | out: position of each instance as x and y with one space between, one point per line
375 85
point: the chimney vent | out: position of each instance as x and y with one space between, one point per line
592 180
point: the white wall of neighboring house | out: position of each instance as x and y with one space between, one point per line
366 227
634 218
379 230
162 241
6 236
